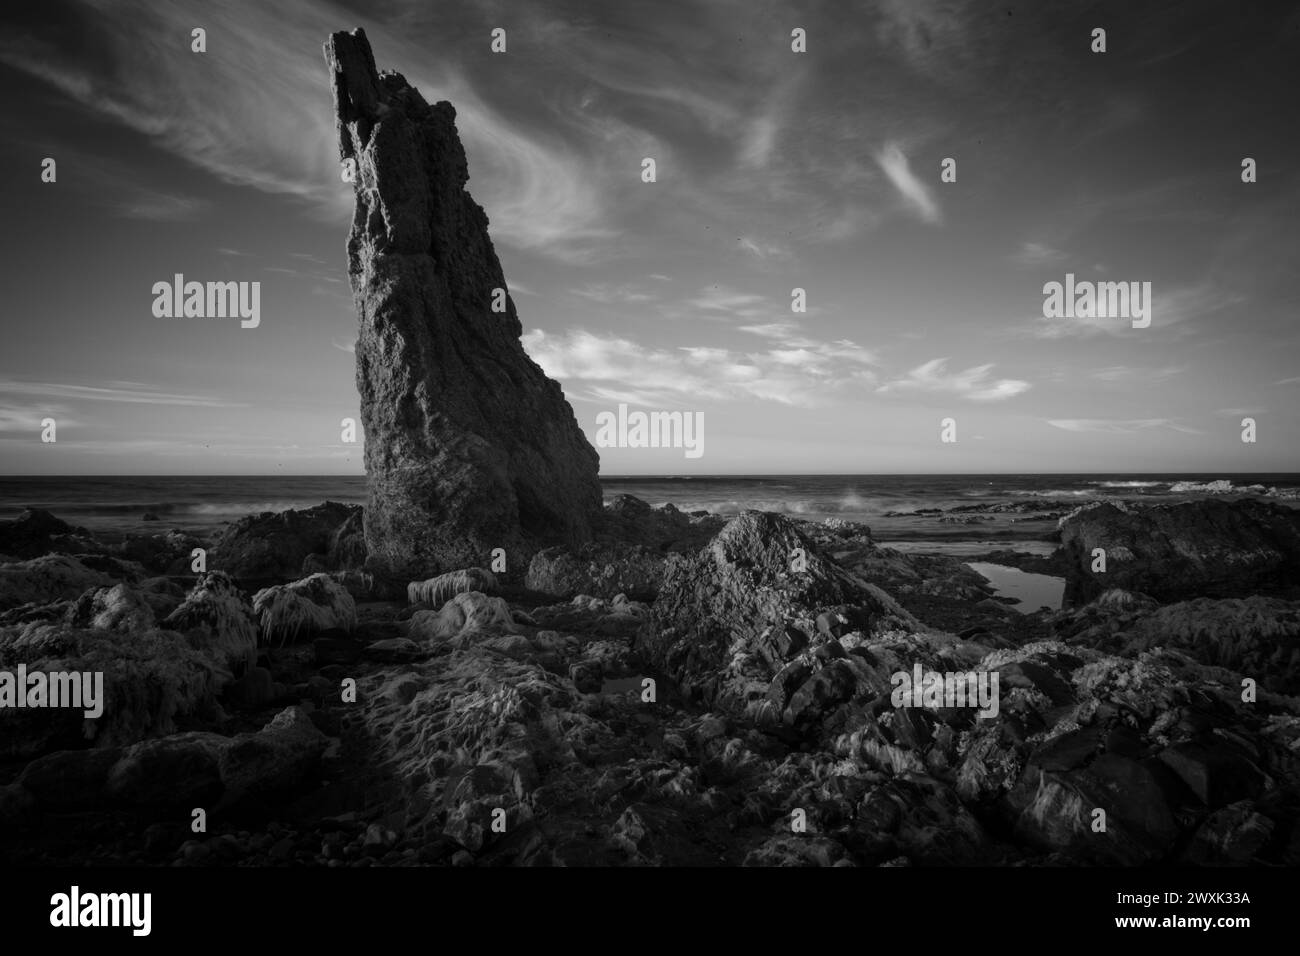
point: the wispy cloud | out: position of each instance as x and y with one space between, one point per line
974 383
253 111
915 193
300 274
609 294
758 144
604 368
761 249
932 35
1138 374
787 333
1037 254
1172 309
25 420
133 393
721 301
161 207
1119 426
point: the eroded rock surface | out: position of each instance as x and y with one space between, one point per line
1207 548
469 446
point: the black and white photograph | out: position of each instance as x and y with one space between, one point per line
693 435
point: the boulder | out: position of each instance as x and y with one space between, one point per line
173 774
119 608
177 772
217 617
275 759
1216 772
151 679
51 577
29 535
316 603
169 553
469 446
601 571
1231 836
1057 811
1208 548
436 592
1257 636
163 595
719 627
627 520
470 727
464 616
273 545
69 779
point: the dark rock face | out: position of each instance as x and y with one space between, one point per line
1140 827
1193 549
179 771
347 550
599 571
274 544
168 553
469 446
632 541
30 534
51 577
627 520
1257 636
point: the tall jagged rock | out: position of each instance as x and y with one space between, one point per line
469 446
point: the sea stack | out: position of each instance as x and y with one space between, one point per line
469 447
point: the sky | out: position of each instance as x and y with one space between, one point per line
775 170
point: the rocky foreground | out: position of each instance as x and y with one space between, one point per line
679 691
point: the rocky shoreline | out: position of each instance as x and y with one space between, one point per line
483 666
504 717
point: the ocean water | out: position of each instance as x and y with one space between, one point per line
888 503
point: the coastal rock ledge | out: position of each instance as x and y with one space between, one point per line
468 445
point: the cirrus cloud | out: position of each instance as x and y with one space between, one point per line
601 368
974 383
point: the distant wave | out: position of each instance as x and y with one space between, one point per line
735 507
1052 493
1221 486
847 504
1127 484
1225 487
